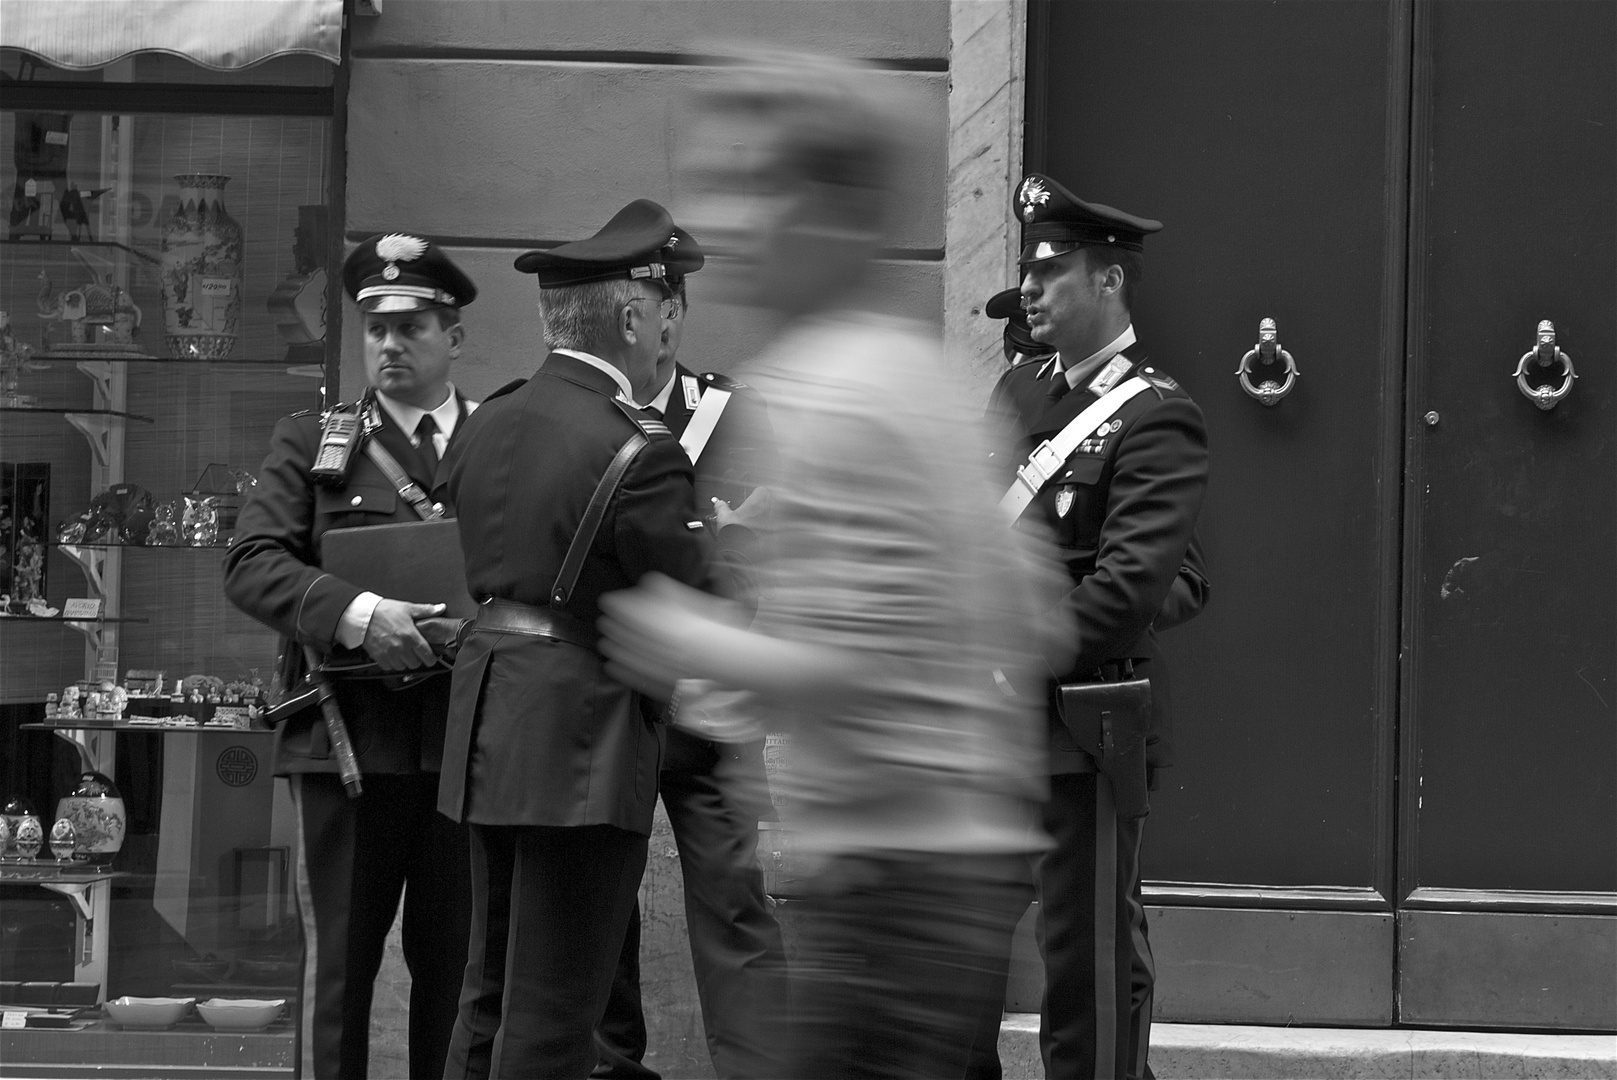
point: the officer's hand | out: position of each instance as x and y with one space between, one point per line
392 639
753 507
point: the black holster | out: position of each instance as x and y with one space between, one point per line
1109 721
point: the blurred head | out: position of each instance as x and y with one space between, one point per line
789 160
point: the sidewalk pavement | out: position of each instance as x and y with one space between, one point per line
1216 1051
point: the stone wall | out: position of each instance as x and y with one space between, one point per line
496 126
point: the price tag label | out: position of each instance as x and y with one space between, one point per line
14 1020
81 607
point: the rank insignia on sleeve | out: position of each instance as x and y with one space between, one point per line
1064 496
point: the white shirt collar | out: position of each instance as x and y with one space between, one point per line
408 416
625 391
660 402
1084 368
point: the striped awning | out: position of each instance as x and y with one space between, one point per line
219 34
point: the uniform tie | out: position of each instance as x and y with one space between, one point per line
424 433
1058 385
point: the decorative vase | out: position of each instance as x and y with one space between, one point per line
64 840
96 811
201 270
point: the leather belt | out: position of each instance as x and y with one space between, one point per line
496 616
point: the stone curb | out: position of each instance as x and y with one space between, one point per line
1216 1051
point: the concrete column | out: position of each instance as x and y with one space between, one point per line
987 69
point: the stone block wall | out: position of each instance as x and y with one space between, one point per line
493 126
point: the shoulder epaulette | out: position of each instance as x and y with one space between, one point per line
506 389
649 427
1157 379
722 381
341 406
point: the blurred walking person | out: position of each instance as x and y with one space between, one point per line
891 632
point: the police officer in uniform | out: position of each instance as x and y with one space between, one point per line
1020 348
361 854
714 793
1123 507
552 762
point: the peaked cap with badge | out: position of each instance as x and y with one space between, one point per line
640 243
1007 305
1055 221
398 272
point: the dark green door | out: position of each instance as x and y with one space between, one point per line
1406 189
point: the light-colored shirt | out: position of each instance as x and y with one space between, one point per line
1083 369
883 540
625 391
356 617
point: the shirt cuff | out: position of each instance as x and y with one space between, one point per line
356 619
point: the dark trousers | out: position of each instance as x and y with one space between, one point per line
550 907
736 948
895 962
361 854
1096 1021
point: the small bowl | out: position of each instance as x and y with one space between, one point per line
240 1014
149 1013
267 972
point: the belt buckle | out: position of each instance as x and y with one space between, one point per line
1042 464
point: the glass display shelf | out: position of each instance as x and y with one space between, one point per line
70 548
155 726
51 872
136 252
65 411
63 619
80 355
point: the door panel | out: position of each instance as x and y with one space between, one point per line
1258 133
1512 604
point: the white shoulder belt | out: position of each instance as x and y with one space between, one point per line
1049 456
702 422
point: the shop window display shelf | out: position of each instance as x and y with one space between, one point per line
99 1047
136 252
65 411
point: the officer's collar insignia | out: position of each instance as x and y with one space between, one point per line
396 248
1110 375
692 390
1033 193
1064 497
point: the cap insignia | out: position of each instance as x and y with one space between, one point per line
1033 193
673 241
390 272
396 247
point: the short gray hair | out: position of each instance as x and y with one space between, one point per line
584 317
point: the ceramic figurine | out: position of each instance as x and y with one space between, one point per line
64 840
5 839
29 838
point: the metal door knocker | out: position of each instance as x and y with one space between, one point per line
1267 352
1545 354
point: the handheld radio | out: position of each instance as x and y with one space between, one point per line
339 437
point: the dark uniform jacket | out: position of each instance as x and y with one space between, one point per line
273 573
538 734
1123 512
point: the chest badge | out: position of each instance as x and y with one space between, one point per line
1064 497
693 391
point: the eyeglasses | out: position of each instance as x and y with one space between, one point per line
669 309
